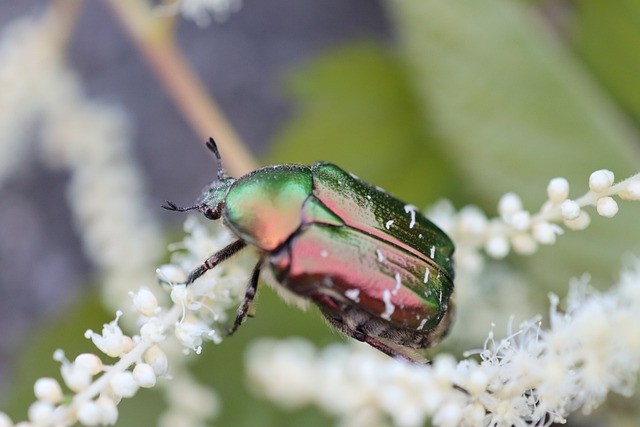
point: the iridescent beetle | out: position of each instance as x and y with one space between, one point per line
377 269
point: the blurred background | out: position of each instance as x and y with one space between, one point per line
427 99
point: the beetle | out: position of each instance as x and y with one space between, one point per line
377 269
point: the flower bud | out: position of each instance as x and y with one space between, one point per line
144 375
601 180
48 390
558 190
124 384
606 207
570 210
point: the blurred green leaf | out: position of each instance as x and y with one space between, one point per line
516 109
607 34
356 108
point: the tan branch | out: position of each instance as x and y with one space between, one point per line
154 37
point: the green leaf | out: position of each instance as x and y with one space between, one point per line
515 109
356 108
607 34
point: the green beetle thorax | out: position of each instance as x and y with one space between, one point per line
213 197
264 208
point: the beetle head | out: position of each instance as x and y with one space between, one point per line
212 199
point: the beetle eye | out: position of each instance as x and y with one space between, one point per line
212 214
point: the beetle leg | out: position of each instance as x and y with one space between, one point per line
243 310
215 259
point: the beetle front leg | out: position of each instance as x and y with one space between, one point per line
215 259
243 310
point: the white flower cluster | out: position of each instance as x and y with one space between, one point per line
96 389
534 376
207 301
522 231
201 11
194 317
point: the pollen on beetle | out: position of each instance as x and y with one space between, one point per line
388 224
389 308
410 209
380 256
353 294
324 253
427 272
398 284
422 323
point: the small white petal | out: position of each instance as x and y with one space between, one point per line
448 416
580 223
90 362
124 384
521 220
145 302
545 233
76 378
475 415
509 204
472 221
444 367
5 421
48 390
497 247
190 334
111 341
607 207
478 381
570 209
169 273
89 413
153 331
127 344
632 191
601 180
144 375
40 412
108 410
179 294
157 358
558 190
524 244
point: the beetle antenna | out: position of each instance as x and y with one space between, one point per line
170 206
211 145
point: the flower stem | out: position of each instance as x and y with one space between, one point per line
154 37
